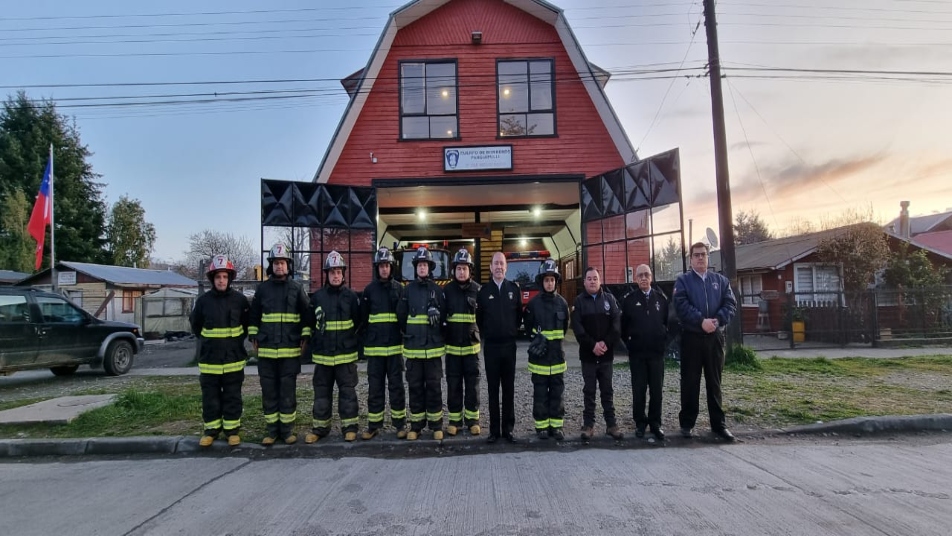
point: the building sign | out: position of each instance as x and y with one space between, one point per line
477 230
477 158
66 278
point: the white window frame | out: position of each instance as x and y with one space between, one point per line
819 297
750 287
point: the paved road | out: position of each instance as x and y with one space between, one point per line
792 488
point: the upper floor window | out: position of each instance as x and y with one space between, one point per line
526 97
428 100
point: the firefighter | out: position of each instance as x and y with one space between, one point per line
421 314
462 347
547 315
336 313
279 330
220 320
382 348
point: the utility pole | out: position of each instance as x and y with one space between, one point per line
725 214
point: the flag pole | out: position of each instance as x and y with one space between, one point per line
53 278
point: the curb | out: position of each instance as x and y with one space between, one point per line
878 425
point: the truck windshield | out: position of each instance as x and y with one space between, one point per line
441 258
522 271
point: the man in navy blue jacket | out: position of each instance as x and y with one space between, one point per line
705 305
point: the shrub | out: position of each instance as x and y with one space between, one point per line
740 357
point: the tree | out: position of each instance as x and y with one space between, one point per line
205 244
17 248
860 250
129 237
668 262
912 270
27 128
749 228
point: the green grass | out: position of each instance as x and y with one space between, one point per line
18 403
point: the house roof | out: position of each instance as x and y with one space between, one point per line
593 77
776 254
940 241
9 276
922 224
126 277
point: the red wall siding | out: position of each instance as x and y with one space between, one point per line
583 144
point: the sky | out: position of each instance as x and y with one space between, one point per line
806 143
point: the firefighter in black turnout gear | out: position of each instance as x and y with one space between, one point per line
547 316
421 314
220 320
462 347
336 313
280 327
383 347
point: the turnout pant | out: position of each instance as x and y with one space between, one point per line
385 372
547 407
462 389
325 376
501 371
221 402
647 373
701 352
598 375
425 378
278 378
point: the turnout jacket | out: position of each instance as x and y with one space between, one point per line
220 319
462 334
421 340
548 312
644 322
499 311
378 307
697 298
279 318
337 343
596 319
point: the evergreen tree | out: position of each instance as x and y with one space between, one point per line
130 238
750 229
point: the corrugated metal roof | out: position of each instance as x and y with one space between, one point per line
777 253
921 224
9 276
121 275
940 241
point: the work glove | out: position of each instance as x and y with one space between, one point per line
538 347
321 319
434 316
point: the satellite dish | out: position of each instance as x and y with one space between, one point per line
711 237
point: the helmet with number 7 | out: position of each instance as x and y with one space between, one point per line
462 257
423 255
548 267
220 263
280 251
334 260
384 255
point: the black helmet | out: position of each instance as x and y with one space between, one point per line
423 254
384 255
462 257
334 260
548 267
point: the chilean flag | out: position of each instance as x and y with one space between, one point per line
42 212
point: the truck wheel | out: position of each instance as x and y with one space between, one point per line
118 358
64 370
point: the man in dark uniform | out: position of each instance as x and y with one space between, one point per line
421 314
336 312
705 305
644 324
383 348
596 321
220 320
499 315
280 327
462 347
547 315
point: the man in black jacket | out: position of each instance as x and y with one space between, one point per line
499 315
644 318
596 321
220 319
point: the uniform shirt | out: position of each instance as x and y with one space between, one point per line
499 311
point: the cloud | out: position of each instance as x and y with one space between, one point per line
793 178
882 55
742 146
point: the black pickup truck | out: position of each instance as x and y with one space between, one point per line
41 329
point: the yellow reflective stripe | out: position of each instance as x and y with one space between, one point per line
471 414
281 317
463 318
398 413
273 353
555 423
382 317
431 353
418 319
332 360
306 332
287 418
417 417
546 370
463 350
231 425
435 416
541 425
252 330
213 425
318 423
222 333
455 416
554 335
374 417
271 418
348 422
208 368
382 351
338 325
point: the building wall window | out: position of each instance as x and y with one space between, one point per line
428 100
526 97
750 288
817 284
129 300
